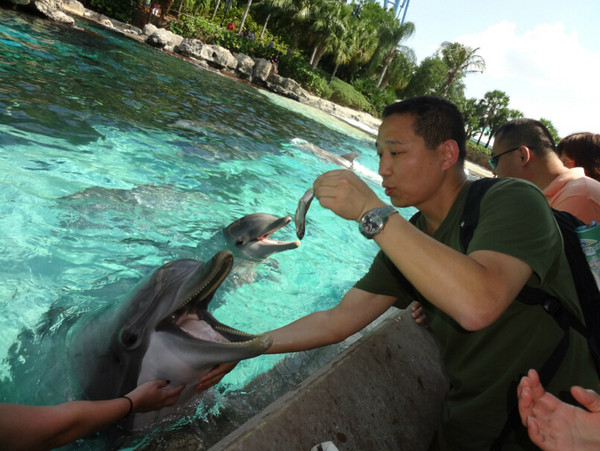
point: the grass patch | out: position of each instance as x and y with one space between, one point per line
344 94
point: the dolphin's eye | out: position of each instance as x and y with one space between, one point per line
129 340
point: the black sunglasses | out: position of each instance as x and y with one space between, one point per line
494 160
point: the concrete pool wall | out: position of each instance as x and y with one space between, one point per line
384 392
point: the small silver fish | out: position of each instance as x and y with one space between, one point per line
300 216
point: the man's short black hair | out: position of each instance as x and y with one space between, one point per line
436 120
526 132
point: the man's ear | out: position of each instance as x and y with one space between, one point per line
450 153
525 155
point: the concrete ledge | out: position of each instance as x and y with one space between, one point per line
384 392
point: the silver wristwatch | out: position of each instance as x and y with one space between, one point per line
374 220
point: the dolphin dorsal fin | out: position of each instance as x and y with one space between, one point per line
350 156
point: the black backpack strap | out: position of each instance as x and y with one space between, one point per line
472 207
527 295
531 296
414 218
470 217
555 308
587 290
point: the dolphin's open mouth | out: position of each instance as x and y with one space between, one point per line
191 319
265 235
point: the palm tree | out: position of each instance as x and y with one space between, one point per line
389 38
343 41
400 70
215 11
492 103
248 5
325 15
460 60
297 14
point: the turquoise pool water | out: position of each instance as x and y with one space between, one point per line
116 158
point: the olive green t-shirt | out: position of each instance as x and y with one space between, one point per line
485 366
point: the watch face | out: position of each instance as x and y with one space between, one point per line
374 220
371 223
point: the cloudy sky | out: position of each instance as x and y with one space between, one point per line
545 54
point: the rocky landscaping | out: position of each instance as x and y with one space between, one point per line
257 71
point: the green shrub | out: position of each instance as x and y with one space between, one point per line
122 10
298 69
478 154
345 94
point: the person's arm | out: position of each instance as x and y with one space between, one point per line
473 289
356 310
48 427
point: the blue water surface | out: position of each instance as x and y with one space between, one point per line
116 158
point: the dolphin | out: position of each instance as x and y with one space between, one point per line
250 235
247 237
162 331
345 161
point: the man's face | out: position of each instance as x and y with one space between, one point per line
507 159
410 171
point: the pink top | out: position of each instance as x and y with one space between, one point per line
575 193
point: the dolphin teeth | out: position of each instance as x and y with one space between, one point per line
213 285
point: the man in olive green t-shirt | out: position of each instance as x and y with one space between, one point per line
489 341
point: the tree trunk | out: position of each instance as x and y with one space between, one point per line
386 64
179 10
451 77
481 135
318 56
244 16
264 27
215 11
333 74
382 75
312 57
488 142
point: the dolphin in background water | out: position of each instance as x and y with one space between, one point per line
248 237
346 161
163 331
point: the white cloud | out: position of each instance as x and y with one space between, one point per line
545 71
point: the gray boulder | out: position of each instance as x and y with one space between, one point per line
149 29
49 8
245 66
262 70
162 38
73 7
220 58
214 55
286 87
191 47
